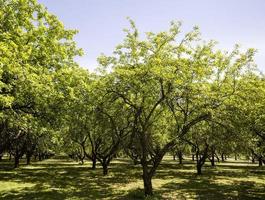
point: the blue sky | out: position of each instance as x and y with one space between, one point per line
100 22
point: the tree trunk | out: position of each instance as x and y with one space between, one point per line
40 157
105 163
197 156
148 173
201 159
200 163
180 156
253 159
212 156
217 157
212 163
223 157
147 178
193 157
212 159
105 170
94 162
148 189
260 161
16 161
199 169
174 156
28 157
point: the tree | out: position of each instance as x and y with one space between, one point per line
159 78
179 150
109 123
34 48
249 109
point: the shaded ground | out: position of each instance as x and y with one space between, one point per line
64 179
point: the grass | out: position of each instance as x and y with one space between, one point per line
64 179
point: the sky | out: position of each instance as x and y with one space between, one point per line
101 22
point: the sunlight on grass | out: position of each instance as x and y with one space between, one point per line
35 167
6 186
65 179
233 180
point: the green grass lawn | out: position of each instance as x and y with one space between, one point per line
64 179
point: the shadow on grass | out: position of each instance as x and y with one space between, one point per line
205 189
220 182
63 179
224 181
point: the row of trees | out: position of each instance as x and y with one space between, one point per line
157 95
166 93
35 51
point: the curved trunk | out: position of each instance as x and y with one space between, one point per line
201 160
217 157
212 160
212 157
223 157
